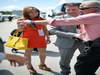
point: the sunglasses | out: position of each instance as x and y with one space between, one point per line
87 8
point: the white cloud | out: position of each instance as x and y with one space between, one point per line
10 8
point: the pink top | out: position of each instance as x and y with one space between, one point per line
90 25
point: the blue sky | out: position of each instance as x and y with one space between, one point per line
41 4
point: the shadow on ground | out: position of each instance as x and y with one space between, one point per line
54 73
49 53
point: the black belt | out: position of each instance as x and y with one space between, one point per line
88 43
95 43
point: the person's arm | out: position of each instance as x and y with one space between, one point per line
83 19
59 32
14 59
52 31
47 34
63 34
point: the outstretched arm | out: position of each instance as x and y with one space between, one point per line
63 34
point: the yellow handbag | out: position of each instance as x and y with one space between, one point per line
21 44
17 43
11 41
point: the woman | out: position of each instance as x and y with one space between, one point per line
37 36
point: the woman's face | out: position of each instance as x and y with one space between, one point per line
33 14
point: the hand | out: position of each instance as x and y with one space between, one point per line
80 35
48 40
15 59
13 63
43 22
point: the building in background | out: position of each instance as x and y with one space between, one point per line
18 13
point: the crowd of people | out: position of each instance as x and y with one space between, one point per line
78 28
